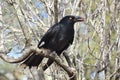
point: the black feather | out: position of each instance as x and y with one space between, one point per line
57 38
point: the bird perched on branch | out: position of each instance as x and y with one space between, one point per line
57 38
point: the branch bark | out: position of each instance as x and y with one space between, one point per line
114 73
70 71
56 11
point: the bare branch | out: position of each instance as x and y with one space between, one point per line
55 11
8 59
116 71
53 56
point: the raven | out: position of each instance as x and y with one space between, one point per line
57 38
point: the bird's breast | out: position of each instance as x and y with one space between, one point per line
62 39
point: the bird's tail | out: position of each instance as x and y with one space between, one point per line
32 61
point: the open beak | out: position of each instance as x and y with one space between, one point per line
79 19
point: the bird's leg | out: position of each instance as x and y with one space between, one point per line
50 61
67 59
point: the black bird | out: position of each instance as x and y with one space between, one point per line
57 38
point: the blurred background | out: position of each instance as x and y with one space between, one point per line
95 53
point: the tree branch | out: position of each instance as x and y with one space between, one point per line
115 72
27 52
56 11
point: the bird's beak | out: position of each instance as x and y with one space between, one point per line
79 19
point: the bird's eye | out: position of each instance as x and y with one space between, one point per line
70 18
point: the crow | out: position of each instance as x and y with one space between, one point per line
58 38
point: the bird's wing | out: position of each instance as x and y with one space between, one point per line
49 35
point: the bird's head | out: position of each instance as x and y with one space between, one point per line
71 19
